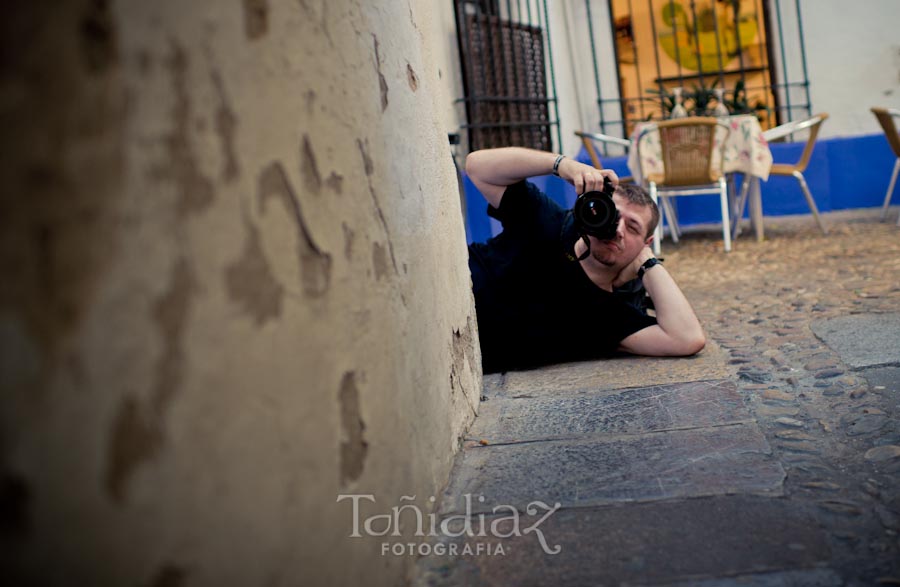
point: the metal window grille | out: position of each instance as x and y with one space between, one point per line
504 51
775 76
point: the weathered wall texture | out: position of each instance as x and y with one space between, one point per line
233 286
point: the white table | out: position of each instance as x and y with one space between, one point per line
746 151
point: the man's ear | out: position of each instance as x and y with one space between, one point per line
649 240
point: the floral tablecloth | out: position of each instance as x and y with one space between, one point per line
746 151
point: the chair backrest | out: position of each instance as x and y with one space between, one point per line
886 117
589 140
591 151
688 148
812 124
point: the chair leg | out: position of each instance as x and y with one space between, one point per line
673 215
674 229
726 223
657 234
740 205
890 192
810 201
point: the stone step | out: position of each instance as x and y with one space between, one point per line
628 411
602 470
708 541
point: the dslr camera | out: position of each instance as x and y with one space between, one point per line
595 213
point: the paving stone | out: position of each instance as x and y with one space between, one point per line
857 393
820 364
827 373
823 485
887 518
805 448
800 578
789 422
849 381
890 434
862 340
649 544
871 489
772 410
883 453
886 378
603 470
628 411
841 507
777 395
793 435
860 424
615 373
755 375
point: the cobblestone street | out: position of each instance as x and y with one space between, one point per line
835 429
773 458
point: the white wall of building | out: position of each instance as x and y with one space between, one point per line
853 59
579 78
852 62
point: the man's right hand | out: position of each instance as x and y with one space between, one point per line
493 170
584 177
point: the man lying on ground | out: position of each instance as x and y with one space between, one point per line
546 292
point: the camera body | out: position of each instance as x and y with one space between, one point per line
595 213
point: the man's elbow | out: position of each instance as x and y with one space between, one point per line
691 345
475 163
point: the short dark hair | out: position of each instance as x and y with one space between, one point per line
638 195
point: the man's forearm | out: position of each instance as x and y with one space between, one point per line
492 170
674 313
506 166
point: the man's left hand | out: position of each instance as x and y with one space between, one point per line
630 271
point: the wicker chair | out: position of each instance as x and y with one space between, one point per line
812 125
886 117
691 167
590 140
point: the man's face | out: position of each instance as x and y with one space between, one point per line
629 240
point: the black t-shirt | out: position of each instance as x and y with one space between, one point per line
534 305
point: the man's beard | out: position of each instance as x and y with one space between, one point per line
602 257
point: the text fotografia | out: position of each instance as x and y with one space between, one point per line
513 524
440 549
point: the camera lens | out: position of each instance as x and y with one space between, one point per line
595 214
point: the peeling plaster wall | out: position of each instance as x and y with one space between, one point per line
234 286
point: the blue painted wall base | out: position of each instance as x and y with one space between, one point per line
851 172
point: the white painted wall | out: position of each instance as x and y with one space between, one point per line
852 54
579 77
853 59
